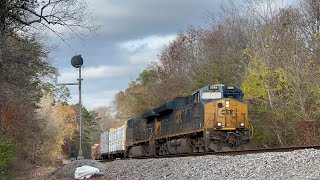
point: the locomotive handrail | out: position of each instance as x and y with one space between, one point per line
250 130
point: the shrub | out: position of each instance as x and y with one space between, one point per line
7 151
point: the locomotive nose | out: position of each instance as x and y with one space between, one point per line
226 115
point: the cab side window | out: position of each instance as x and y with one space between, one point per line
195 98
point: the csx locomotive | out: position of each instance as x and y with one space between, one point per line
213 118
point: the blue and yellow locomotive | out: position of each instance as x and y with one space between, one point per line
214 118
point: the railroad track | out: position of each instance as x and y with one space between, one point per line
105 160
225 153
249 151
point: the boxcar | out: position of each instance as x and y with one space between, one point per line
117 142
104 145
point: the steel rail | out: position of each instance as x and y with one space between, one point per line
224 153
232 153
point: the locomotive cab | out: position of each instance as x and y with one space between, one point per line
225 117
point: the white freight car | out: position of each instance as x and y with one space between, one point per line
104 146
117 141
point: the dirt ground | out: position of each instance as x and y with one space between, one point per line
41 173
38 173
28 171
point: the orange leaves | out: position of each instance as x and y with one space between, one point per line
66 112
9 116
58 125
308 132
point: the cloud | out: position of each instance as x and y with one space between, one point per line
105 71
101 98
145 50
93 73
133 34
150 42
126 19
269 8
97 99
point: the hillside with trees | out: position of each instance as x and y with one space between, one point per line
270 53
36 122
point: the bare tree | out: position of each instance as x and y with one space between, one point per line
106 120
21 16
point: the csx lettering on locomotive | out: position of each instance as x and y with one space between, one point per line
227 112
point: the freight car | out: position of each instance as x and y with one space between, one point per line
104 146
112 144
117 142
95 151
213 118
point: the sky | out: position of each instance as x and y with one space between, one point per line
131 36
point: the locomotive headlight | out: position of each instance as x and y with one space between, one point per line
227 104
242 124
219 124
213 87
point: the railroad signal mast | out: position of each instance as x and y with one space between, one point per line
77 62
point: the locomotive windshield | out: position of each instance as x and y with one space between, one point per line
233 95
211 95
216 92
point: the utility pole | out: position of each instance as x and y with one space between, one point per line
77 62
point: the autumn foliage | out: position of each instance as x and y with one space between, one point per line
272 54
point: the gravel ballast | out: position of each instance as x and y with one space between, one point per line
301 164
